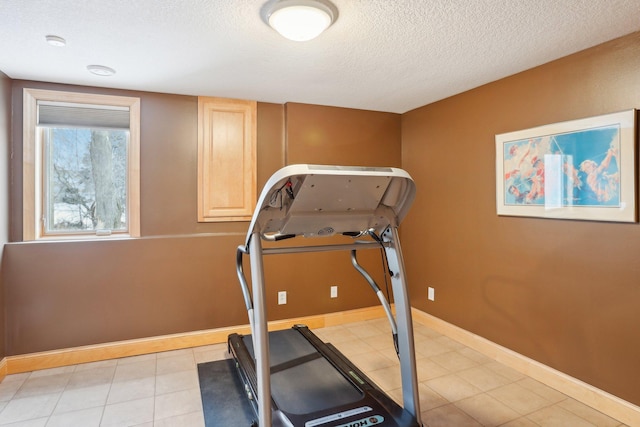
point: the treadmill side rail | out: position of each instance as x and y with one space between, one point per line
406 345
260 332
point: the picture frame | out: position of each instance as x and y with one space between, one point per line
580 169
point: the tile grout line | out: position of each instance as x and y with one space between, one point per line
106 401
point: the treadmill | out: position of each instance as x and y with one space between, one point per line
290 376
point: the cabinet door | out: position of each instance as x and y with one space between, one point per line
226 159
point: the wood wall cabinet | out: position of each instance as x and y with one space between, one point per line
226 159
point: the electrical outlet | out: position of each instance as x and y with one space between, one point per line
334 292
282 297
431 294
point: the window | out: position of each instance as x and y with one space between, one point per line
80 165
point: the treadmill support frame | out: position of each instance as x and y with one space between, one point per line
406 346
260 333
316 200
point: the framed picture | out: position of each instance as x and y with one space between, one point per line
581 169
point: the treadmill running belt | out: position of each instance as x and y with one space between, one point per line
309 386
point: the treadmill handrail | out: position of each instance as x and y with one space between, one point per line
242 279
383 300
246 293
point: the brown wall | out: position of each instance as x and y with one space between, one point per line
562 292
78 293
5 138
329 135
565 293
180 276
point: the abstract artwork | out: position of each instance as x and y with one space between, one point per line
581 169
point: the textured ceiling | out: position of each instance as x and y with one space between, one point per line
384 55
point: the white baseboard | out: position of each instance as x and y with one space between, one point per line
600 400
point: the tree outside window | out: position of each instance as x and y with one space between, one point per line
86 179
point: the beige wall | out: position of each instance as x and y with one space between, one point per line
565 293
180 276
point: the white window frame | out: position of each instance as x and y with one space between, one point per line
32 163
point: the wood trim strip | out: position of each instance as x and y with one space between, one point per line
29 164
93 353
3 369
600 400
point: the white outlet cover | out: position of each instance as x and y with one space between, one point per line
282 297
431 294
334 292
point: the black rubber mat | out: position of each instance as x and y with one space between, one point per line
223 399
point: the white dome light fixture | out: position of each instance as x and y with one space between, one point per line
300 20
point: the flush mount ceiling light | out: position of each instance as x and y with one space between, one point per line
300 20
55 40
101 70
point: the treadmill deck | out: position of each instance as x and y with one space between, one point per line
313 384
302 381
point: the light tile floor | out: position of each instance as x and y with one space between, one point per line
458 387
